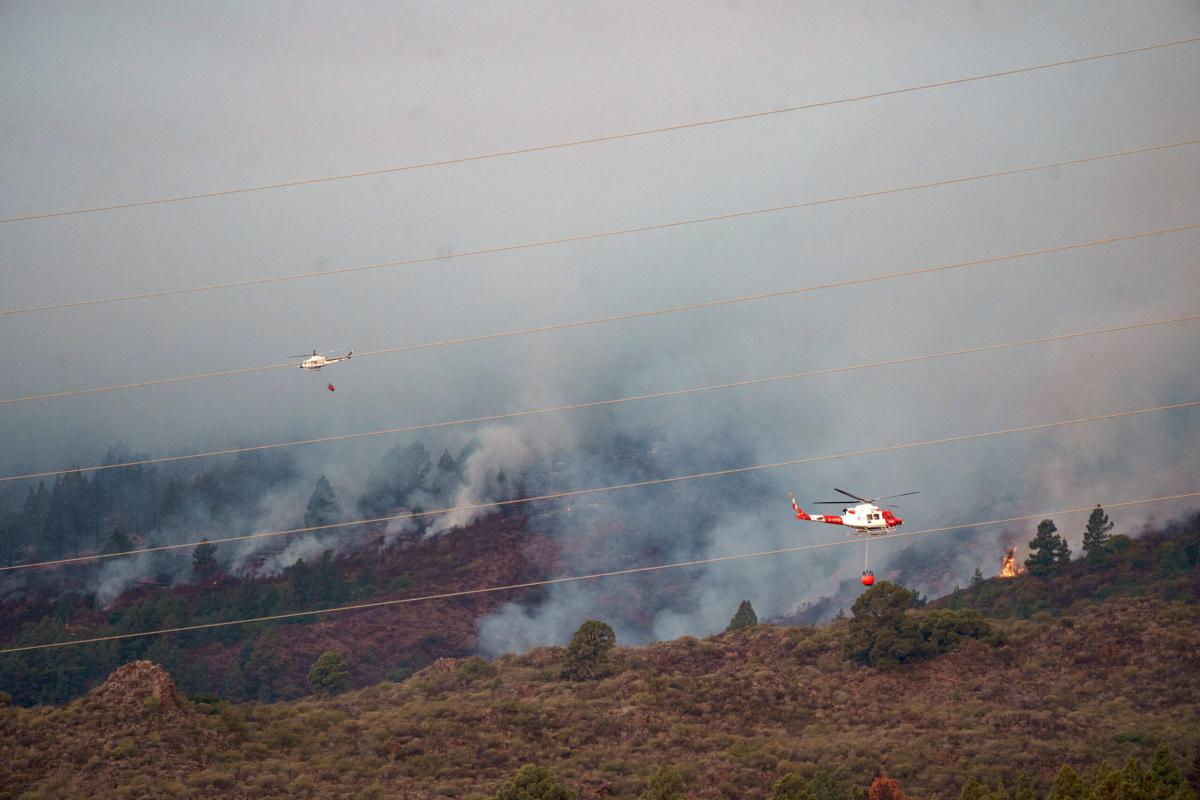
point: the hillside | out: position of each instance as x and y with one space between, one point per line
389 642
1106 681
1162 562
285 575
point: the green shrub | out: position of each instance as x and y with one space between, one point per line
883 634
588 655
475 669
329 674
667 784
792 787
744 618
534 783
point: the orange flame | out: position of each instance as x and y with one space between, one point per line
1010 568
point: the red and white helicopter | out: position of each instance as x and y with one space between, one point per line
864 518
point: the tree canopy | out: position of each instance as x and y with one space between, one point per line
1097 533
882 633
1048 552
744 618
588 654
667 784
329 674
534 783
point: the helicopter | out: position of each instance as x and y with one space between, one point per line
866 517
318 360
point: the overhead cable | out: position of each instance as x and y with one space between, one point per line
593 139
583 236
599 489
611 401
577 578
750 298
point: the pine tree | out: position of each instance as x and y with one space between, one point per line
1097 533
68 521
588 654
1048 552
32 522
329 674
323 506
446 476
977 579
667 784
55 539
1164 776
534 783
744 618
171 502
204 562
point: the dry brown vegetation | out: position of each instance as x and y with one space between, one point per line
733 713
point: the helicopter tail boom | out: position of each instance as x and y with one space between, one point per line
804 516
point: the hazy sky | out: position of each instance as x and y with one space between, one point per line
105 103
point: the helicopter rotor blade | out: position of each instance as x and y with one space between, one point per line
828 503
890 496
856 497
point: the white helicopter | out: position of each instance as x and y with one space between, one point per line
318 360
866 517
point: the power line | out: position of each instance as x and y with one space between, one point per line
577 578
590 140
624 317
584 236
603 489
611 401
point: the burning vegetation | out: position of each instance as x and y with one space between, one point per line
1010 568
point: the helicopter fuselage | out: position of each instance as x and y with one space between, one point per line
316 360
863 518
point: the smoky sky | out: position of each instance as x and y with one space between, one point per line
129 101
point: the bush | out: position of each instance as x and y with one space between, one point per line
667 784
588 655
883 634
329 674
943 628
792 787
476 668
534 783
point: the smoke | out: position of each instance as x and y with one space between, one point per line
705 171
501 452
